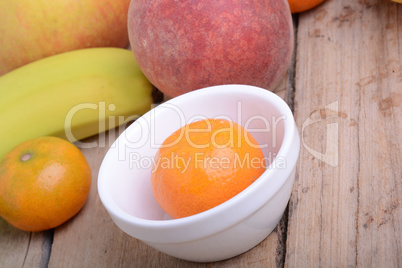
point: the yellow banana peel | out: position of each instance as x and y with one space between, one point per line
72 95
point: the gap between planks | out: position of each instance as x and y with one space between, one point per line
289 98
46 248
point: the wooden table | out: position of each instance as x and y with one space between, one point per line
345 89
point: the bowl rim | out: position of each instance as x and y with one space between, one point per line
224 210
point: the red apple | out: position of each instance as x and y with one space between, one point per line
186 45
33 29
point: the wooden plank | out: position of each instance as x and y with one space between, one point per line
345 208
22 249
92 239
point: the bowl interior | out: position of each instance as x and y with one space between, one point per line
261 113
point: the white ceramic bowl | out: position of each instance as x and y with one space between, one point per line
230 228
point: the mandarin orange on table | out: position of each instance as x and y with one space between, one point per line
204 164
297 6
43 183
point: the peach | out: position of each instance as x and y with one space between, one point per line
185 45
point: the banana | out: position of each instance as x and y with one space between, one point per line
72 95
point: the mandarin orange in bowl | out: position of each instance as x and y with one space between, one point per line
204 164
234 218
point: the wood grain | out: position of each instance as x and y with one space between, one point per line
345 208
22 249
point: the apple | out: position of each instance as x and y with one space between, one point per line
185 45
34 29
